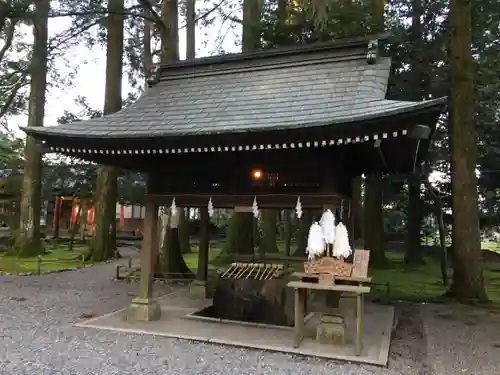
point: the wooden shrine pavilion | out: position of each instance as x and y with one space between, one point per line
308 118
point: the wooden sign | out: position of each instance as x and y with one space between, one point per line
360 263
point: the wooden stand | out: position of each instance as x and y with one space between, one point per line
356 284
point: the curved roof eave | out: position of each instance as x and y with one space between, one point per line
384 109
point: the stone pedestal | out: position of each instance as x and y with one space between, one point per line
143 310
331 330
198 289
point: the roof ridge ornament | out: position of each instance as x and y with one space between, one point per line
372 54
153 75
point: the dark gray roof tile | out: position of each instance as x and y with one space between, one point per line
304 94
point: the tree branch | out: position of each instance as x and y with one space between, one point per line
9 37
155 17
206 14
72 35
229 17
13 92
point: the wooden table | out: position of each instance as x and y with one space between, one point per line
353 280
301 290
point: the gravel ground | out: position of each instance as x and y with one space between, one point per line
462 340
37 336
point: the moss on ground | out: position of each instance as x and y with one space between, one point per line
53 259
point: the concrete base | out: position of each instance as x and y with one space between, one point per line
174 324
143 310
198 289
331 330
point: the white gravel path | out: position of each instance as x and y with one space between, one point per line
462 340
37 336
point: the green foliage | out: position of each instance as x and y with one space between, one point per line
11 152
311 21
70 176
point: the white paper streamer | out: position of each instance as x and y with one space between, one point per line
255 208
341 248
298 208
173 208
327 224
315 242
211 210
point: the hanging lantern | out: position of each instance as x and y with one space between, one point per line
255 208
210 208
298 208
173 208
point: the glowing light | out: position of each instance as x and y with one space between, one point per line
256 174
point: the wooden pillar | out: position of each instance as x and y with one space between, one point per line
57 216
198 287
144 307
202 274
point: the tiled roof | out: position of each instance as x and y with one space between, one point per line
322 90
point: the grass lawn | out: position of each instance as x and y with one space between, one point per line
56 258
492 246
191 259
424 283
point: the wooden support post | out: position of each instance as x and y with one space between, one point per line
299 316
144 308
359 323
198 287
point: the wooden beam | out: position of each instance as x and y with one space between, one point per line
264 201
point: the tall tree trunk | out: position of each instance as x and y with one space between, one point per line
161 266
84 217
147 62
252 13
240 239
174 265
268 241
57 216
190 29
378 16
438 210
170 36
27 242
373 218
302 233
177 233
357 207
4 13
184 231
467 283
414 254
104 241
